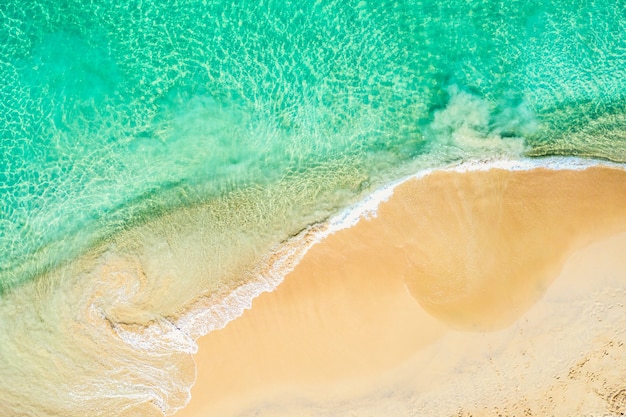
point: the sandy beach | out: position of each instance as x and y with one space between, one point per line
469 294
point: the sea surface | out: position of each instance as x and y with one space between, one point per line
163 162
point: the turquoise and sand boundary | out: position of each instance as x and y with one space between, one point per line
173 190
486 287
489 288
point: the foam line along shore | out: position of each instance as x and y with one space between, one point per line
215 312
399 312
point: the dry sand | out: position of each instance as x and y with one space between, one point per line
445 304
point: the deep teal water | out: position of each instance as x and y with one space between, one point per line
152 152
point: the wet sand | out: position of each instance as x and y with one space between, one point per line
479 293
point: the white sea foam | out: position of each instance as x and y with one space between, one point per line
216 312
368 207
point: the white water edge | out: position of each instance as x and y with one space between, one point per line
215 312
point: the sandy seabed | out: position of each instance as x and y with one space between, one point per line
487 293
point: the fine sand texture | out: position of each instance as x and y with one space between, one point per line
492 293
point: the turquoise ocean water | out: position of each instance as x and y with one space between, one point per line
153 153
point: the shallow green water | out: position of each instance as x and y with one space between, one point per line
112 112
216 130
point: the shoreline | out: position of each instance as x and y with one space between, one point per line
213 312
399 301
